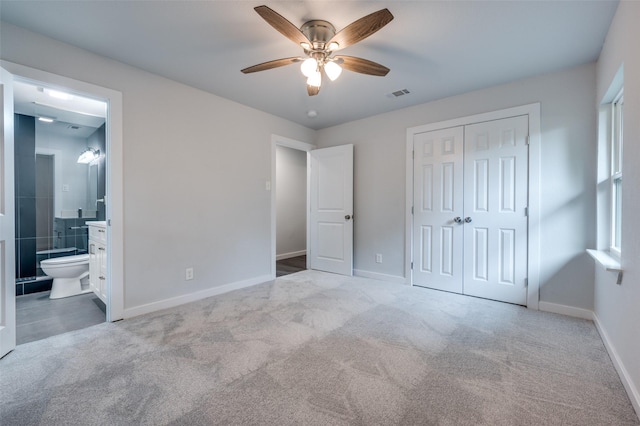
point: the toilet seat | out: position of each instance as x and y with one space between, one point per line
65 260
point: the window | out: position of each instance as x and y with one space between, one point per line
617 117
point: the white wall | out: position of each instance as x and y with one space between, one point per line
568 152
194 173
617 308
291 202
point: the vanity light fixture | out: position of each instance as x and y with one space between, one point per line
89 156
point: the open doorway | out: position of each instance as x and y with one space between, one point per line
291 212
289 201
58 195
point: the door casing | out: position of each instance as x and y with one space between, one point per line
533 252
114 172
271 185
294 144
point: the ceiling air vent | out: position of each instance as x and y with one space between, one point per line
398 93
73 127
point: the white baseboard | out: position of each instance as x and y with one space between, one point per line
632 390
379 276
192 297
291 254
565 310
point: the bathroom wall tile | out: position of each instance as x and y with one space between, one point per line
25 177
43 176
37 286
25 155
26 210
27 257
44 243
44 217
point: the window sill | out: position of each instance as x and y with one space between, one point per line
608 262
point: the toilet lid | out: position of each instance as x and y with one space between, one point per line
66 259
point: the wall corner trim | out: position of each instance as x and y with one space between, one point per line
571 311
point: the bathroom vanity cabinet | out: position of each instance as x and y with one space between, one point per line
98 259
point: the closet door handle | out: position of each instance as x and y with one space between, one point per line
467 219
457 219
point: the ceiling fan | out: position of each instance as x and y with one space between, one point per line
320 40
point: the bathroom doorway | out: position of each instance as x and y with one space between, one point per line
114 270
56 196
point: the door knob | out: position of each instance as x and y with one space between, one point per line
457 219
467 219
347 217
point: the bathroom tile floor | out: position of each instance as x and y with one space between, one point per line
38 317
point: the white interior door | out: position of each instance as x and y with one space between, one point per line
331 210
438 198
7 220
496 194
470 190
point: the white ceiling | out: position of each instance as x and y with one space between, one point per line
435 49
76 116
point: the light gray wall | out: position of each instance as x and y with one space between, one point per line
194 173
291 200
568 152
617 308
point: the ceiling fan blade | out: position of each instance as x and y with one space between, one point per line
281 24
271 64
363 66
361 29
313 90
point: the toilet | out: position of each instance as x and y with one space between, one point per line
68 273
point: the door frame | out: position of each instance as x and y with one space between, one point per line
276 141
114 172
533 228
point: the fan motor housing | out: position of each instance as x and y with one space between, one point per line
318 32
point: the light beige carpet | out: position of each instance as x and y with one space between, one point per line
320 349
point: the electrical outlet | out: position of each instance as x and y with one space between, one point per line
378 258
188 274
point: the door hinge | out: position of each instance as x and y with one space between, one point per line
413 154
411 209
411 265
526 282
526 211
527 140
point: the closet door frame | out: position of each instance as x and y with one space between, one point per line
533 244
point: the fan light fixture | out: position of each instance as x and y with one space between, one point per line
333 70
320 40
89 156
315 79
309 67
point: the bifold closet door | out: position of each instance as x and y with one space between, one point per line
469 221
438 198
495 202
